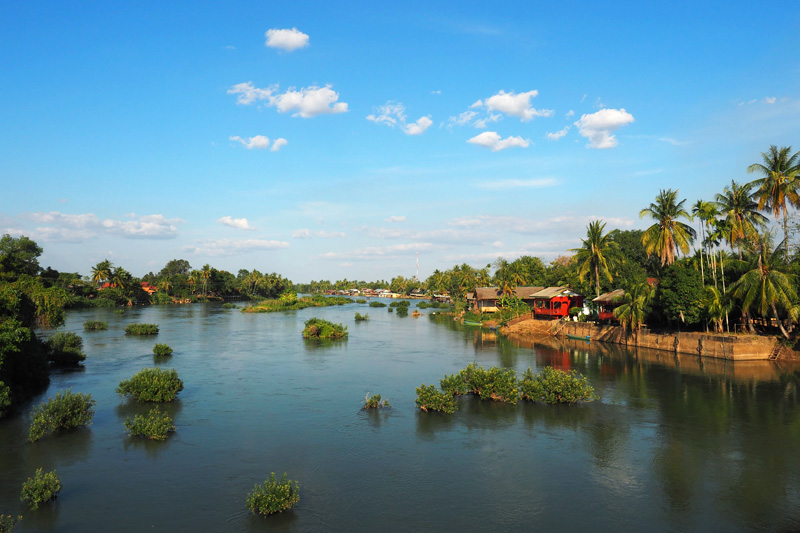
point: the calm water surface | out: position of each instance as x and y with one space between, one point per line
673 444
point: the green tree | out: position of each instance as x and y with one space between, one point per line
779 185
740 213
18 255
635 307
680 295
101 272
598 253
668 236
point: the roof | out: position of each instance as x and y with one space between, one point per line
524 293
487 293
552 292
610 297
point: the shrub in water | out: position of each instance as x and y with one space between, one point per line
5 400
66 410
429 398
555 386
119 311
8 522
162 350
391 309
152 385
402 310
361 301
41 488
377 304
65 349
374 402
495 383
361 318
454 384
94 325
141 329
228 305
401 303
317 328
273 496
156 425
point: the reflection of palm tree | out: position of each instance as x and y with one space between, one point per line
667 236
741 214
597 251
779 185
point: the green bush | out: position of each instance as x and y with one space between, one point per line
5 399
377 304
41 488
402 310
492 384
141 329
94 325
273 496
429 398
66 410
375 402
65 348
156 425
152 385
391 309
555 386
454 384
361 318
228 305
401 303
361 301
7 523
162 350
317 328
116 311
160 298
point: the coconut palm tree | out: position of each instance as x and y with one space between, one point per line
779 185
741 214
705 212
668 236
597 252
205 274
101 272
632 312
764 289
717 306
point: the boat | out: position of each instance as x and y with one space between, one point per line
469 323
579 338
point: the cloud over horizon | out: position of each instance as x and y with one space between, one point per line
598 127
287 40
492 140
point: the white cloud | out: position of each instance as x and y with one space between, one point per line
395 219
436 92
73 228
307 234
769 100
481 122
144 227
570 223
515 105
307 102
558 134
278 144
518 184
597 127
377 252
301 234
491 140
390 114
569 113
463 119
258 142
239 223
233 247
673 142
288 40
418 127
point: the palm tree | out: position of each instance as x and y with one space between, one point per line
741 214
780 184
719 231
668 236
706 212
764 289
633 310
716 307
205 273
596 253
101 272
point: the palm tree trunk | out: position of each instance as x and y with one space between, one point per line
786 235
722 267
597 279
702 238
778 320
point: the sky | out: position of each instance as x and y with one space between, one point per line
342 139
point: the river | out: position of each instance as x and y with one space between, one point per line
672 444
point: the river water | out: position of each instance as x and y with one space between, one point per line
673 443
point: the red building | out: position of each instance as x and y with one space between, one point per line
555 302
606 303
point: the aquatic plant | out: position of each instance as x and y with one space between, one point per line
162 350
361 318
273 496
361 301
156 425
317 328
152 385
66 410
401 303
228 305
41 488
429 398
141 329
377 304
65 348
276 305
402 310
391 309
555 386
375 402
7 522
94 325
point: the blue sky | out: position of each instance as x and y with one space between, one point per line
332 140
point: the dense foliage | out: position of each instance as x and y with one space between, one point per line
273 496
293 304
41 488
375 303
152 385
64 411
7 522
555 386
65 348
162 350
141 329
155 425
317 328
361 318
94 325
375 402
429 398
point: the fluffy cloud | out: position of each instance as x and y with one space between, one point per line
278 144
393 114
288 40
239 223
491 140
59 226
301 234
307 234
515 105
558 134
418 127
517 184
258 142
378 252
528 226
769 99
395 219
307 102
233 247
598 126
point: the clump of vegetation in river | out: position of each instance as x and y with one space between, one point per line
162 350
433 305
41 488
228 305
65 348
402 310
317 328
141 329
288 304
555 386
429 398
66 410
273 496
361 318
493 384
152 385
377 304
361 301
375 402
155 425
401 303
119 311
391 309
7 522
94 325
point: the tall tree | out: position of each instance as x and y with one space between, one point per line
705 212
779 185
101 272
741 214
634 308
18 255
668 236
596 254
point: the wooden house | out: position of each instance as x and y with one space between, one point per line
555 302
606 303
484 299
